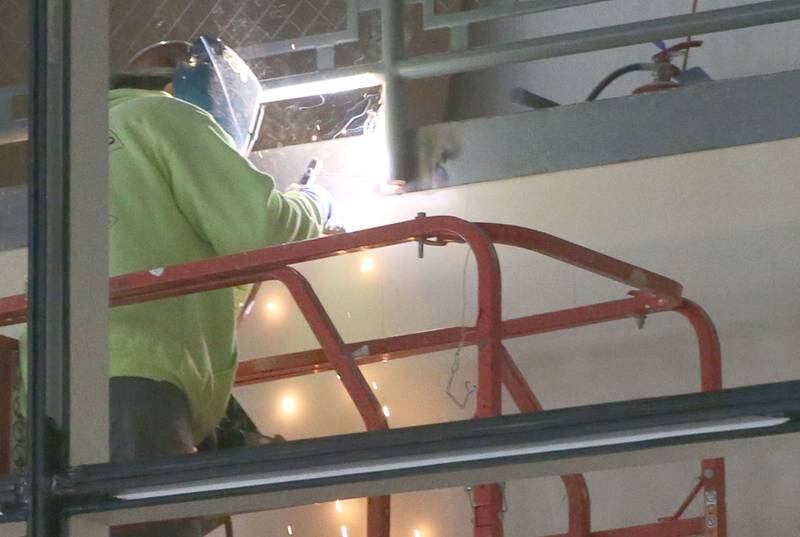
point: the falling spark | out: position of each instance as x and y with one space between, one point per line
386 411
344 531
290 532
374 385
339 508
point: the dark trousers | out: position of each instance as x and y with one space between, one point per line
148 420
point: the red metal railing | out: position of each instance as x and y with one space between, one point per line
9 357
652 293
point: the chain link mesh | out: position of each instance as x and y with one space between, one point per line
135 24
139 23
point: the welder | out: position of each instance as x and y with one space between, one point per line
183 117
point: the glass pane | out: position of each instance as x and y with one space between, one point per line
658 500
695 237
14 177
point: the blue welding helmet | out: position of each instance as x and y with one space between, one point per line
217 80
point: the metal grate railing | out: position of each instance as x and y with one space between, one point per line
252 25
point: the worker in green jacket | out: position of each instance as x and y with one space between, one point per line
182 120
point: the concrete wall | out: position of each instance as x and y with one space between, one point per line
724 223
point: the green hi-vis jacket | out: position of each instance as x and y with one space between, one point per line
180 192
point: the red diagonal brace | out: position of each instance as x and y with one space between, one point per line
378 508
580 524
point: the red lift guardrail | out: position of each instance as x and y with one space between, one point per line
652 293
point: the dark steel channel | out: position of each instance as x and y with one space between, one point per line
430 449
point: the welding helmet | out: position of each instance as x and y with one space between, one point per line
208 74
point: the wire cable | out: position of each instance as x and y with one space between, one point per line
607 81
454 368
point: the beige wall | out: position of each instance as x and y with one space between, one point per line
724 223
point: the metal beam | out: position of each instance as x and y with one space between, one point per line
68 263
392 50
294 364
609 37
712 115
434 21
552 442
500 147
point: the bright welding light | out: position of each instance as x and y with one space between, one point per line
273 308
417 533
344 531
388 188
339 508
321 87
288 405
367 264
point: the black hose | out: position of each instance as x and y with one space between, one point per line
632 68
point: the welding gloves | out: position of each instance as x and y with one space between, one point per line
318 195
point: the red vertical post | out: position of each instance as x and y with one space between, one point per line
9 349
488 507
713 470
714 512
488 499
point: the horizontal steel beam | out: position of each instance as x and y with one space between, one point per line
618 130
565 138
552 442
435 21
609 37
